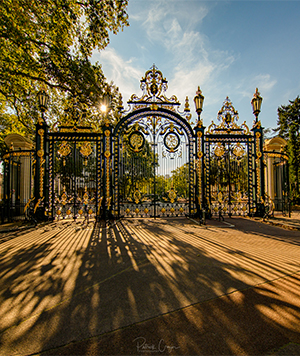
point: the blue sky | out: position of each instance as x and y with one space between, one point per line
227 47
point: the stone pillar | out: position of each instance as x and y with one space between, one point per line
22 149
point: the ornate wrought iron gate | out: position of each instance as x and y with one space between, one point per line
146 162
153 155
230 161
75 185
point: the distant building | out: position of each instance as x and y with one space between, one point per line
276 173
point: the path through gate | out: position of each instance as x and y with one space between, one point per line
229 150
153 150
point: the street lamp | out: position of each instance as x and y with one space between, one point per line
43 99
198 99
256 104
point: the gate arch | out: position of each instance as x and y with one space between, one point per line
153 161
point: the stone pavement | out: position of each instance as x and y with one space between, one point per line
144 286
292 222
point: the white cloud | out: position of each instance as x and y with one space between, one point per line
264 82
124 73
170 31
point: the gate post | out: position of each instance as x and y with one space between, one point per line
107 171
41 186
200 170
259 169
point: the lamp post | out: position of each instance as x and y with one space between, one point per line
259 153
43 99
198 99
256 104
199 133
41 186
107 161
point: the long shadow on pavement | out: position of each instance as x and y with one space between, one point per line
134 286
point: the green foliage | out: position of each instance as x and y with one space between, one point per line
8 124
180 180
289 128
137 170
231 170
49 43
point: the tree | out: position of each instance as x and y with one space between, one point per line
50 42
289 128
137 169
180 180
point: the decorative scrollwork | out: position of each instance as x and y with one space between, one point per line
137 195
172 194
171 141
136 141
86 150
219 150
64 150
228 117
154 86
238 150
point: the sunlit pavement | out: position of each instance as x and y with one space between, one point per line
150 286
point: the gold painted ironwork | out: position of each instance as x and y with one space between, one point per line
228 117
108 202
37 204
28 203
137 195
219 150
172 141
136 141
86 150
64 150
154 86
238 150
172 194
220 197
40 153
258 166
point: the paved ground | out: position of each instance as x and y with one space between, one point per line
145 286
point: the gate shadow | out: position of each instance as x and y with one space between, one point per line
263 229
122 276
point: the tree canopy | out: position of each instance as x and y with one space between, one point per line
289 128
50 42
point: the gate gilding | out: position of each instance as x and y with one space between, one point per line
229 183
146 162
154 155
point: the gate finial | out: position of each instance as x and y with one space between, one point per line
154 86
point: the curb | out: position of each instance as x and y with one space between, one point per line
281 224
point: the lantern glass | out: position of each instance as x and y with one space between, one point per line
43 99
199 99
256 103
